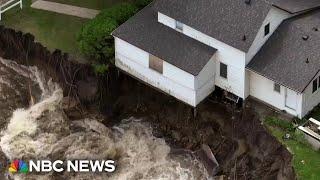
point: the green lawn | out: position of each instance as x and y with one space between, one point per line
306 160
93 4
53 30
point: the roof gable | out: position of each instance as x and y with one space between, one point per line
291 56
225 20
296 6
145 32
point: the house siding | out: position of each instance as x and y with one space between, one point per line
205 81
172 81
234 58
310 100
275 17
263 89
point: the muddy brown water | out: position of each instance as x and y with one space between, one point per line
42 130
242 146
142 122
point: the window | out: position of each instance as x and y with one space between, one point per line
267 29
277 87
179 25
156 64
223 70
314 85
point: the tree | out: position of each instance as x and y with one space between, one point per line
120 12
142 3
95 40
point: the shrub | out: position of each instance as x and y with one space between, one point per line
120 12
142 3
95 40
100 69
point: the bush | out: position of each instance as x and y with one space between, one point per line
100 69
95 40
142 3
275 122
120 13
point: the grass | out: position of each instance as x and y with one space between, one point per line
306 161
53 30
92 4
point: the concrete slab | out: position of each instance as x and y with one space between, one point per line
65 9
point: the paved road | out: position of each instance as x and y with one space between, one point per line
65 9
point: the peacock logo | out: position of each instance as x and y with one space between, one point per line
18 166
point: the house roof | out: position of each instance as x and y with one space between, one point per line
225 20
296 6
291 56
144 32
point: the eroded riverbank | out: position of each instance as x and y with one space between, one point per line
42 130
242 146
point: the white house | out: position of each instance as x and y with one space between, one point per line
264 49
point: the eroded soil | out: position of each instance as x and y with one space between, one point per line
242 146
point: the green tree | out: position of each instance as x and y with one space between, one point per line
95 40
142 3
120 13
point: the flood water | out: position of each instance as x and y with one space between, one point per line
37 129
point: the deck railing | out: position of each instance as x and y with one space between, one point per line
8 5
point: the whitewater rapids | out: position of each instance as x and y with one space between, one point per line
42 131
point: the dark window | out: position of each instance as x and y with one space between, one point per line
315 85
156 64
223 70
267 29
179 25
277 87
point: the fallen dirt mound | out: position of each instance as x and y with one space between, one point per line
242 146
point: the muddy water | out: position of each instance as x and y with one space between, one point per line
42 131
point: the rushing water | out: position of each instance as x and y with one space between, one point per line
42 131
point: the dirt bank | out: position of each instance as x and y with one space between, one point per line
242 146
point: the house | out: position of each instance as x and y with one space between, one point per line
265 49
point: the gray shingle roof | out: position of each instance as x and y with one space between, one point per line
296 6
224 20
144 31
283 58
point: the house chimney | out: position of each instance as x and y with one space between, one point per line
307 61
315 29
248 2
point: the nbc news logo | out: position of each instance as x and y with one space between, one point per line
19 166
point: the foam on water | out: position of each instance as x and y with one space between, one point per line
42 131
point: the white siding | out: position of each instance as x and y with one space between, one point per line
234 58
127 50
205 81
179 76
310 100
166 20
173 81
275 18
263 89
